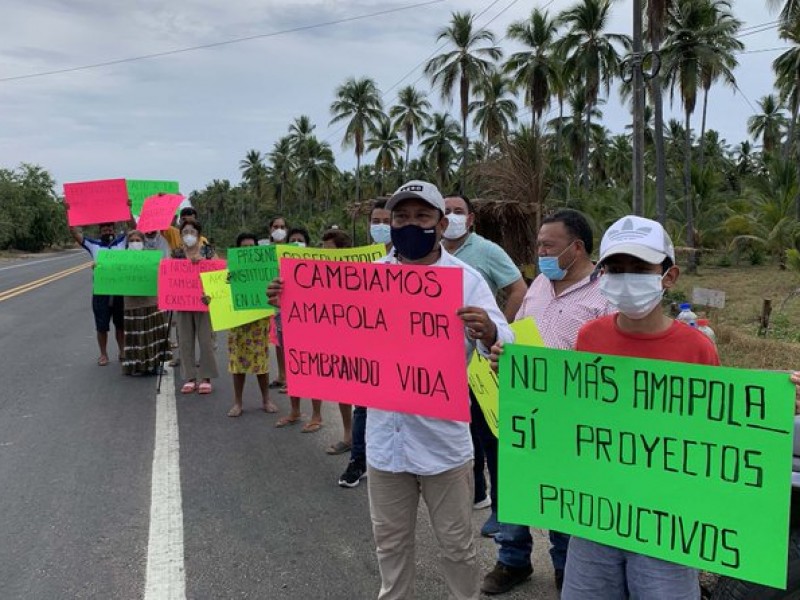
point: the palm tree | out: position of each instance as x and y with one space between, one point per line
281 166
358 102
591 56
769 124
253 172
317 168
388 145
657 13
494 113
462 67
410 115
787 71
538 68
300 132
721 35
787 74
577 130
691 56
789 10
439 141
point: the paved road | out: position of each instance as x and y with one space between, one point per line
262 514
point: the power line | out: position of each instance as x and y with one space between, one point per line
757 50
217 44
759 25
431 55
755 31
426 59
738 89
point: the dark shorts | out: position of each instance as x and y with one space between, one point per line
106 309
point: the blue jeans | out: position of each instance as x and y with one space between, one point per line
358 450
485 445
516 545
599 571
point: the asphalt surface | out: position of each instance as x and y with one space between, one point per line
263 516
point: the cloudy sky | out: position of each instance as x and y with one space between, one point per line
192 116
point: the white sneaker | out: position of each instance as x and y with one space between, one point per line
485 503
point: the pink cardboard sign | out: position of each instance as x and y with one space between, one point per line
91 202
179 286
158 212
377 335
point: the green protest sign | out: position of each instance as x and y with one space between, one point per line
687 463
251 269
139 189
127 272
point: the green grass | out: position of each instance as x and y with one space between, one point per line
737 324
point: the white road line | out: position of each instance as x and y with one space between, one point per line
166 577
37 262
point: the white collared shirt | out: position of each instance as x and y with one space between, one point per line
404 443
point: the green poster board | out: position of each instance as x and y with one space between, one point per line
251 268
127 272
683 462
220 305
139 189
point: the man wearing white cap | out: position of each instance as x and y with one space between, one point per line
638 264
409 455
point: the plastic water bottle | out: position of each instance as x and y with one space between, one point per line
686 315
703 327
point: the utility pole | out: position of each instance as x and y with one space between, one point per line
638 111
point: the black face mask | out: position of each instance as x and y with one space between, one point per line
414 242
107 238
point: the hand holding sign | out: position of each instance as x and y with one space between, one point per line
683 462
479 325
158 212
139 189
386 335
274 290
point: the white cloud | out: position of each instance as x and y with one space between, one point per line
193 116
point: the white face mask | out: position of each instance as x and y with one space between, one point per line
190 240
635 295
381 233
279 235
136 245
301 244
456 226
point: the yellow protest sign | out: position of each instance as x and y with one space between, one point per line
360 254
483 381
220 307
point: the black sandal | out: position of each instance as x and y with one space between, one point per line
276 384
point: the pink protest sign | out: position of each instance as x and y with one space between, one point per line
91 202
382 336
179 286
158 211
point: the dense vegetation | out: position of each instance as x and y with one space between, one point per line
739 201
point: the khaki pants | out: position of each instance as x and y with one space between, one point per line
393 500
191 326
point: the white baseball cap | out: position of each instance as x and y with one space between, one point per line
643 238
421 190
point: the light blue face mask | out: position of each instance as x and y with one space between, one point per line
549 267
381 233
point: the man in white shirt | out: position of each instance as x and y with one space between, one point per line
410 455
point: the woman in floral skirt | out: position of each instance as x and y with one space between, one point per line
248 352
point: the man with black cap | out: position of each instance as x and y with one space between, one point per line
410 455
